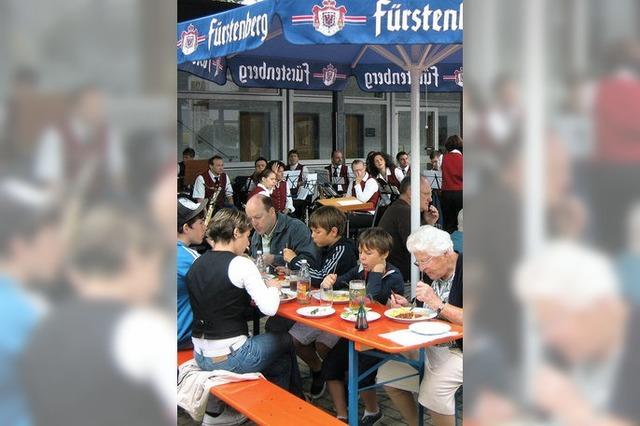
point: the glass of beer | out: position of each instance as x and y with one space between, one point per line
293 281
357 293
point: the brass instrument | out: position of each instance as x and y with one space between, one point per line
211 207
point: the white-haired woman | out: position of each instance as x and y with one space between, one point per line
435 256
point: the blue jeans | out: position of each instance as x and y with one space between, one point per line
271 354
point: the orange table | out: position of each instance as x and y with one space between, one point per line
335 202
363 340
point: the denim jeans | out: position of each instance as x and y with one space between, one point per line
271 354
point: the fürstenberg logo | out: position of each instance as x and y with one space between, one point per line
251 26
425 19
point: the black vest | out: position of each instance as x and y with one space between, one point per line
218 306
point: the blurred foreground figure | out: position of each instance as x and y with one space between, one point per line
82 146
27 234
588 335
95 359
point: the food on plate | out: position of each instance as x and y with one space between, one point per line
340 297
406 313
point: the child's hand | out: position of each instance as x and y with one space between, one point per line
288 255
329 280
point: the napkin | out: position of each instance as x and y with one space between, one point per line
407 337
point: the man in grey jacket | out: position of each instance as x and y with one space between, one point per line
274 232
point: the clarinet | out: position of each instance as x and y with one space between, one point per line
211 207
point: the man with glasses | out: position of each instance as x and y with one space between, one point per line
397 222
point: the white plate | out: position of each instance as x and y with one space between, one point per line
341 293
429 328
291 295
425 314
316 311
350 316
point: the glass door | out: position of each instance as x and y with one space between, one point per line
428 135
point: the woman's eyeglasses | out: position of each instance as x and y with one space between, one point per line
423 262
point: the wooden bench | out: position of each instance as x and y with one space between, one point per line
266 403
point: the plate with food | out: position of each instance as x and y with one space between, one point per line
351 315
339 296
287 295
429 328
316 311
408 314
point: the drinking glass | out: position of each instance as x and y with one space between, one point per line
326 295
357 292
293 281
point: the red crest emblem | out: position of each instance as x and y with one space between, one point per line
328 19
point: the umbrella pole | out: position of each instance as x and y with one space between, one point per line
415 73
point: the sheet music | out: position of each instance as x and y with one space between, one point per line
292 176
338 180
349 202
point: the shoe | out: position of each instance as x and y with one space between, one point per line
318 385
229 417
371 419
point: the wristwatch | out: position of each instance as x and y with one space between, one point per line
440 308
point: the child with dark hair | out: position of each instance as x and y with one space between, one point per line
382 279
338 257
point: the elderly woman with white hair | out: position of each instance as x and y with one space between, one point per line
435 256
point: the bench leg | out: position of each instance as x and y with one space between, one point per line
353 384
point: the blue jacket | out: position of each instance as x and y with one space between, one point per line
292 233
379 286
185 258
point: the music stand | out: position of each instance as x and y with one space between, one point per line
390 190
324 185
434 177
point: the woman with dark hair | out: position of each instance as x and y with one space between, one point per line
452 182
221 284
266 183
381 166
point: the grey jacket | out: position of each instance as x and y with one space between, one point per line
292 233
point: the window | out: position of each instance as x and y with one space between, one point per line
370 129
312 130
306 135
354 136
237 130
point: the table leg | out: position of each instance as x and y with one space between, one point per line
421 376
352 399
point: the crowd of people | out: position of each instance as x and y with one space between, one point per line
220 288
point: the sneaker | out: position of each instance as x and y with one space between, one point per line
371 419
229 417
318 385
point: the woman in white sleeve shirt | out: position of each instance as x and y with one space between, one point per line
366 190
221 284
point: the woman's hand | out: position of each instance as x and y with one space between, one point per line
425 293
274 282
397 301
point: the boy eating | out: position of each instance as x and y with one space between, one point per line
338 256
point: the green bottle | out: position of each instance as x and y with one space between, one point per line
361 318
